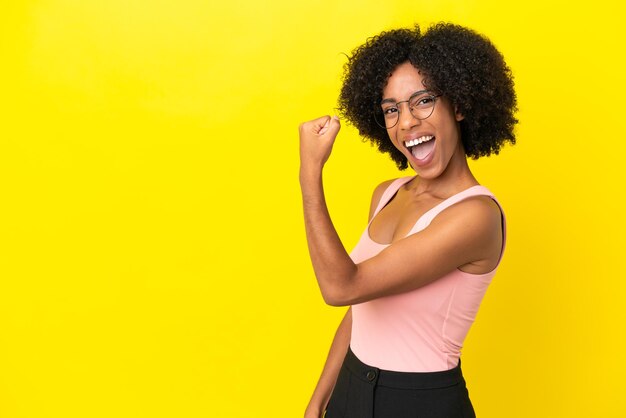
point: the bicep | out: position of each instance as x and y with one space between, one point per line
460 235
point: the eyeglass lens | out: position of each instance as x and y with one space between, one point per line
420 105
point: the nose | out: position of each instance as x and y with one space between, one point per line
406 120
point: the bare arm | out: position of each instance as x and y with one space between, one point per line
464 233
339 347
327 380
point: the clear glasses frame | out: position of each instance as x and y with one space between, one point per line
421 105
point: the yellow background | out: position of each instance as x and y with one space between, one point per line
152 254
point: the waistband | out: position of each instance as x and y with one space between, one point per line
402 380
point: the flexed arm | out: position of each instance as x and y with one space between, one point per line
328 255
465 233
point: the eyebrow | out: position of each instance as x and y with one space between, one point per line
393 101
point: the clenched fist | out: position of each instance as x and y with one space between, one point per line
316 141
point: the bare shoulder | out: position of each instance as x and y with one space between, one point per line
480 211
378 194
475 224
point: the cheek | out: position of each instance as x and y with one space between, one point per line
454 133
392 135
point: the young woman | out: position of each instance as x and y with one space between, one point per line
415 280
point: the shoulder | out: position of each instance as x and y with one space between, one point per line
380 189
378 194
479 216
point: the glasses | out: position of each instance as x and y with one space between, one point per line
421 105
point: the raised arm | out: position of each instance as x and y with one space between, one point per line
328 256
467 232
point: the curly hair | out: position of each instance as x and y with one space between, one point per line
454 61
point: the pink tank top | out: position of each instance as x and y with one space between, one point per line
422 330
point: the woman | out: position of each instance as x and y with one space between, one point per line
416 278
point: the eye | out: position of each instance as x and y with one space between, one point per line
390 111
423 101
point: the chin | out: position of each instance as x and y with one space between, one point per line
431 172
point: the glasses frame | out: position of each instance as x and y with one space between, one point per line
397 104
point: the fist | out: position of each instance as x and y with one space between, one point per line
316 140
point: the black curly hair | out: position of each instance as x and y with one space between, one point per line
454 61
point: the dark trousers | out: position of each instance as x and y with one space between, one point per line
364 391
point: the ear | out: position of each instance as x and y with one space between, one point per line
458 115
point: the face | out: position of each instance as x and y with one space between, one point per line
430 144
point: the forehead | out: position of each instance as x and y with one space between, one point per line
403 81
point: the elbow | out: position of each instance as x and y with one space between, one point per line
336 297
339 289
335 302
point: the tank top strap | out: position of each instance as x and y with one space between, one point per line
477 190
390 192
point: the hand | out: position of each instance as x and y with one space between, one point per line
316 140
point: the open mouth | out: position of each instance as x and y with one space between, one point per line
421 147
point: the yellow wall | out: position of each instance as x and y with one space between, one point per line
152 255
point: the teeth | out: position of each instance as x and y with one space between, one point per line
418 141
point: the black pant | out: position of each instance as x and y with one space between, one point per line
363 391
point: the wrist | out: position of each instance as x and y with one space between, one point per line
310 172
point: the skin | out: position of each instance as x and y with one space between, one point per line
465 236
